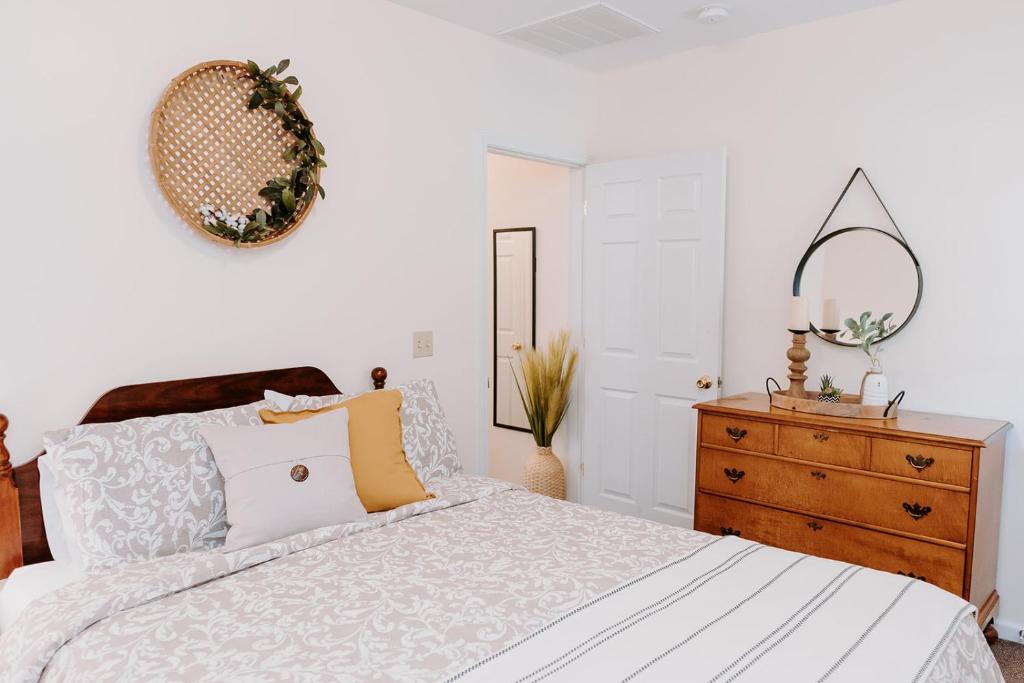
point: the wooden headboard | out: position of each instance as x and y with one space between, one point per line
22 536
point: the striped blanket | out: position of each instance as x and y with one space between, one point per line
736 610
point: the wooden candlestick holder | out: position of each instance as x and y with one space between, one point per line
798 356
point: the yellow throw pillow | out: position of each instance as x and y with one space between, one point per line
384 479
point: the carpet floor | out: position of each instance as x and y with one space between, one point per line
1011 660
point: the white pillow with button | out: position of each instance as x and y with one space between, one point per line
281 480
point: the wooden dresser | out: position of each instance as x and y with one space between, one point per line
919 495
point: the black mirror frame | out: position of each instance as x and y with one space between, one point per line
494 318
834 339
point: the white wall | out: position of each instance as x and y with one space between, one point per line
522 193
102 284
927 96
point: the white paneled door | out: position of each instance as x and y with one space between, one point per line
653 252
514 267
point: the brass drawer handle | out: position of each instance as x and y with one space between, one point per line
735 433
814 526
912 575
729 531
818 475
916 510
821 437
919 462
734 474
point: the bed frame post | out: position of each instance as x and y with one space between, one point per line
10 514
379 377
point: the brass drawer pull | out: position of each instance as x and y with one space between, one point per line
818 475
814 526
735 433
729 531
912 575
916 510
919 462
734 474
821 437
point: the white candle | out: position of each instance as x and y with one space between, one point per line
798 318
830 316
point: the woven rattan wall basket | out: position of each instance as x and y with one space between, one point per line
208 147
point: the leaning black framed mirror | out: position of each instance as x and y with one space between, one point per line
514 318
857 269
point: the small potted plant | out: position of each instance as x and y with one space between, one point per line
830 393
874 389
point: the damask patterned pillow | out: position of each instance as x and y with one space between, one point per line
429 442
142 488
426 437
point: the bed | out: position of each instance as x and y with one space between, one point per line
482 582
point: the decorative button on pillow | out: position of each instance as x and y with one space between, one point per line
286 479
426 437
383 477
142 488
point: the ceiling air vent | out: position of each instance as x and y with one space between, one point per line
580 29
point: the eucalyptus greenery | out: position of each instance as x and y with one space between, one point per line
867 332
287 195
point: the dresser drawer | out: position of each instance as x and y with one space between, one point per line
887 503
749 435
919 461
935 564
824 445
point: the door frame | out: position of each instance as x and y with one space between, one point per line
494 318
575 160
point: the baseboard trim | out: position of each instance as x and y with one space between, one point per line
1008 631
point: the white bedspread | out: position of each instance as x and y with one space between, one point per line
427 591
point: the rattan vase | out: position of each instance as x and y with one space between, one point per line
544 473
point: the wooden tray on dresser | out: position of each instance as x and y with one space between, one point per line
919 495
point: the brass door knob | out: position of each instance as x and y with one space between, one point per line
704 382
516 346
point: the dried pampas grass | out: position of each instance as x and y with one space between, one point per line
546 385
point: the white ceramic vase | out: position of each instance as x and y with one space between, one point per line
874 389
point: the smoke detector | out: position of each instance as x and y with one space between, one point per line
713 14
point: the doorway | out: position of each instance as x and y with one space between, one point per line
638 276
529 263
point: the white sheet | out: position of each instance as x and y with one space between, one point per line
28 583
53 523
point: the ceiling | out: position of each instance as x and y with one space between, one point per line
675 22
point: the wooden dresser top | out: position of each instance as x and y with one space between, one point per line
968 431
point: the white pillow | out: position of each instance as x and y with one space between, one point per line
281 480
52 522
280 401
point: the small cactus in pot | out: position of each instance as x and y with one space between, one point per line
830 393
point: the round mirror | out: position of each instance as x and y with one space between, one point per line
853 270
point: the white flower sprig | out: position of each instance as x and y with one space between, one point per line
212 216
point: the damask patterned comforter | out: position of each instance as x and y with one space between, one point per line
438 590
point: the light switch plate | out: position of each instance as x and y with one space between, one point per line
422 344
